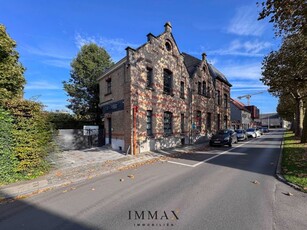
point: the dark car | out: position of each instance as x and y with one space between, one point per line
224 137
241 134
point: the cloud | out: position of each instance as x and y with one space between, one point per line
250 71
42 85
245 22
58 63
51 55
50 51
246 48
115 47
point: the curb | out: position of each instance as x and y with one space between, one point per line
28 188
278 173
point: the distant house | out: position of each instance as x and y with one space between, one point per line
157 97
240 116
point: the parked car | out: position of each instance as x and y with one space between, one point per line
260 129
265 129
224 137
251 132
258 132
241 134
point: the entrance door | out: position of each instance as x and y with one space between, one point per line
110 130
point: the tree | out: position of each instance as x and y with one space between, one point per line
286 107
82 86
284 71
288 16
12 80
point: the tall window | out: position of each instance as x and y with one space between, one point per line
208 123
198 120
204 88
199 88
225 122
225 100
167 81
149 122
109 86
208 92
168 117
149 77
182 122
218 97
182 89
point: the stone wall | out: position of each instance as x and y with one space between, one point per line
70 139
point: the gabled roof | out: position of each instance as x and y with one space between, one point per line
216 74
191 63
238 104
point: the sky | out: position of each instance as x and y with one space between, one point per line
50 33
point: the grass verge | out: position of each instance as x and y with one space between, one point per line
294 161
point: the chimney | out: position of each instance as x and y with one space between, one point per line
204 56
168 27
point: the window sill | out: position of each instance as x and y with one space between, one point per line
170 94
168 135
108 94
150 88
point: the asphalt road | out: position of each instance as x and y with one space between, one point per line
218 188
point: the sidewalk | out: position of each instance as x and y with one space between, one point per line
79 165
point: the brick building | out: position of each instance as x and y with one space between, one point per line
157 97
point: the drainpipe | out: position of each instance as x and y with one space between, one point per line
135 110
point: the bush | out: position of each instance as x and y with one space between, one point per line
32 137
66 121
8 161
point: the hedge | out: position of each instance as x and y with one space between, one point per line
31 136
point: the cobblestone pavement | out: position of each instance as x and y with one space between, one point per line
77 165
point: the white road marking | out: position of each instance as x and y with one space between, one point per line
199 163
178 163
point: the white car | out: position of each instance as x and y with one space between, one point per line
251 132
258 133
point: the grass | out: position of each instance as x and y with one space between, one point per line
294 162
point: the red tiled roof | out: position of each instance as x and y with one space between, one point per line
238 104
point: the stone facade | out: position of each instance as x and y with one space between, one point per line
157 97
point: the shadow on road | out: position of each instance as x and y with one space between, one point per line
19 214
258 156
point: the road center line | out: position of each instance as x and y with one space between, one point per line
199 163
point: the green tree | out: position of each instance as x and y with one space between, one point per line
82 87
284 71
287 16
12 80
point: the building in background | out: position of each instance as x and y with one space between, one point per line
272 120
240 115
157 97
